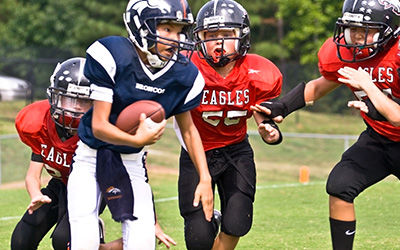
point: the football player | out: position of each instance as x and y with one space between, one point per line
147 65
234 80
366 36
49 128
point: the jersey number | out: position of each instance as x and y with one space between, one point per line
54 172
232 117
360 94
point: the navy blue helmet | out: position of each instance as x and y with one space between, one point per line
223 15
141 20
69 93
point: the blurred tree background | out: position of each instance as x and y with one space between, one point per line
36 34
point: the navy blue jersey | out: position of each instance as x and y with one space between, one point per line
117 75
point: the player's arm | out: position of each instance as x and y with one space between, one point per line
33 184
378 106
194 146
105 131
300 96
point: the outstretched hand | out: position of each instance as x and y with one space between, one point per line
360 105
37 202
163 237
356 78
267 112
268 133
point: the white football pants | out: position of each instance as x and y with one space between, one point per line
84 197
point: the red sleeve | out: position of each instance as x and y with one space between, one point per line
29 129
265 76
328 62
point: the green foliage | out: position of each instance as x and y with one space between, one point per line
308 23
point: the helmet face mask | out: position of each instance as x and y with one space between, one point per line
220 15
374 16
141 20
69 94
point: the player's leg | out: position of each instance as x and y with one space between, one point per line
361 166
83 200
31 229
236 187
61 236
199 233
139 233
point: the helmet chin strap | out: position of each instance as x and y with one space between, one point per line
154 60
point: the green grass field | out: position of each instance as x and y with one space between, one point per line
287 214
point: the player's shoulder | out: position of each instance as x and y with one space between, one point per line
117 46
328 52
258 62
187 70
24 122
256 66
114 40
328 60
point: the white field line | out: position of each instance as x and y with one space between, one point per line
288 185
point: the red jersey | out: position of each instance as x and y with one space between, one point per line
37 130
221 118
383 70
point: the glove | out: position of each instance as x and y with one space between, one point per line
372 112
292 101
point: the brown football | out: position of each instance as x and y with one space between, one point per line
128 119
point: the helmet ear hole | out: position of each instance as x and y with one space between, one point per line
347 37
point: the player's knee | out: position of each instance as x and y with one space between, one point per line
237 218
340 188
60 241
199 233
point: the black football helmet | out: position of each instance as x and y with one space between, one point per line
69 94
141 20
369 14
223 14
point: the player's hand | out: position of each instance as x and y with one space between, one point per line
163 238
204 194
267 112
367 107
356 78
360 105
37 202
149 132
268 133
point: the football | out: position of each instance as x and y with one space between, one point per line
128 119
